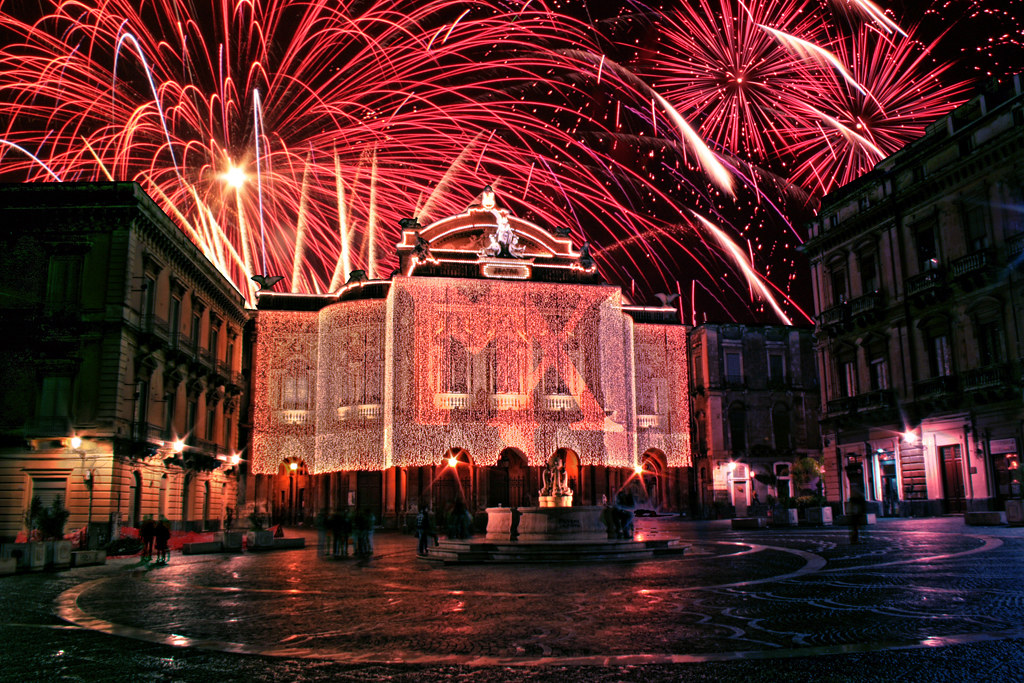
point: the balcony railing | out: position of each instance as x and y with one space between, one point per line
868 303
509 401
990 376
293 416
881 399
559 402
156 325
928 281
452 401
840 406
972 263
936 386
224 369
834 316
1015 246
648 421
735 380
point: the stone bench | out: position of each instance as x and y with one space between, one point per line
985 518
202 548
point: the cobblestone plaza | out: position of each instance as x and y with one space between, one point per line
927 599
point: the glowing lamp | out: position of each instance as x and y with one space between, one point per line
293 466
235 177
76 442
638 469
453 461
178 446
731 466
235 458
910 436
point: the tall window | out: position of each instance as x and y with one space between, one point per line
776 367
975 217
214 338
927 249
211 421
197 321
848 377
990 343
55 397
698 369
782 480
733 367
295 392
141 408
838 278
169 415
64 281
175 321
780 426
879 374
738 428
149 298
868 273
456 368
940 356
190 418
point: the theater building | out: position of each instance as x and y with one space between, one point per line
492 348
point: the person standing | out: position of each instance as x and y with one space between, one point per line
424 530
162 534
147 531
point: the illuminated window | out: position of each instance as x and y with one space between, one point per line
294 392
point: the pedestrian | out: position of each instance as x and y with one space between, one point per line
424 530
147 532
323 546
857 508
341 529
162 534
362 524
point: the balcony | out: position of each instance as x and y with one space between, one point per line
509 401
993 382
927 287
840 406
364 411
558 403
881 399
937 388
831 320
736 381
867 308
452 401
648 421
1014 249
973 270
293 416
155 326
224 369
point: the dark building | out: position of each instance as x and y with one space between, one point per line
121 365
919 297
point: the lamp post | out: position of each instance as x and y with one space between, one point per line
88 478
292 469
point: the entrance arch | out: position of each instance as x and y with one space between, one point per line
507 482
454 480
652 479
136 499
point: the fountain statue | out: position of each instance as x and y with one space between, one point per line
556 492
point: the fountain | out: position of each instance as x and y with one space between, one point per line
554 531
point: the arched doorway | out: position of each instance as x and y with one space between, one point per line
291 482
651 494
135 496
507 484
572 470
454 480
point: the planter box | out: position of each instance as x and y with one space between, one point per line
819 516
29 556
1015 512
58 554
784 517
259 540
84 558
231 541
8 565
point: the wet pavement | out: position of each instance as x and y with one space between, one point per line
921 600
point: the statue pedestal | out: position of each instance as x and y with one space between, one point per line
562 501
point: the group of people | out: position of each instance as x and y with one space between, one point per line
156 534
617 518
344 526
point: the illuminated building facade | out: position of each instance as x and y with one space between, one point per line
120 341
492 348
755 412
918 287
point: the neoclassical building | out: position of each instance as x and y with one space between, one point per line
492 348
919 297
121 361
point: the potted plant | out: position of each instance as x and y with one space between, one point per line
815 508
258 535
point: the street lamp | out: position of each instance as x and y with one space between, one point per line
88 478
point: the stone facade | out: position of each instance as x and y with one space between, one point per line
918 294
120 339
755 411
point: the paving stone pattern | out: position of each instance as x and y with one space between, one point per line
923 600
